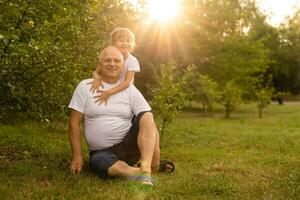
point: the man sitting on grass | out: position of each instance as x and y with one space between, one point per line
116 143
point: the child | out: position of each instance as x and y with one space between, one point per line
124 40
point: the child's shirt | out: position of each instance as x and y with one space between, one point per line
131 64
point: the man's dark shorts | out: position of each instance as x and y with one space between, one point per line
127 151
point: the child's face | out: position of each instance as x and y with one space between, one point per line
124 45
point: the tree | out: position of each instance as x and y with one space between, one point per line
230 98
224 48
46 48
288 57
201 88
168 95
283 45
263 98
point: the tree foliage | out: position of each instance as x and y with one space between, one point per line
168 95
226 50
230 98
288 61
263 97
201 88
46 48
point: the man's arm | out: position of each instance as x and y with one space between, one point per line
74 137
137 100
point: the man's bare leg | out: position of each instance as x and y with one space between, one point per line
122 169
156 157
146 141
156 154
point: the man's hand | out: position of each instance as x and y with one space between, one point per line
76 165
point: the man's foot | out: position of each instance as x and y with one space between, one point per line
164 166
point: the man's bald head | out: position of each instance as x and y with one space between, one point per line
111 64
108 50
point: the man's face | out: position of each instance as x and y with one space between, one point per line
112 64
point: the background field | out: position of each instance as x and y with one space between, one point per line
216 158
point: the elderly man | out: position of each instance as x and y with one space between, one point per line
115 142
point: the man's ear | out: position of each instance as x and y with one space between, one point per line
99 68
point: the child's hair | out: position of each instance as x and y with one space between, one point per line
123 33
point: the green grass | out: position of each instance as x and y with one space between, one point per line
216 158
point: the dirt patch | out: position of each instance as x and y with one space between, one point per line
15 153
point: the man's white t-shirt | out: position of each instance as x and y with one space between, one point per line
131 64
107 125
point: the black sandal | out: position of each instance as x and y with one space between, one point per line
163 166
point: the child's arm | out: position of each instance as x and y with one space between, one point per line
95 84
105 94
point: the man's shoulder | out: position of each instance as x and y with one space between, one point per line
85 81
132 89
83 85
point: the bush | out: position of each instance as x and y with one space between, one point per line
168 95
230 98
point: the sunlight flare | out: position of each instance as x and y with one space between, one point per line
163 10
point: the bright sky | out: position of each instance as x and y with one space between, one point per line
277 10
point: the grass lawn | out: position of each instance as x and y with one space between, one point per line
216 158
